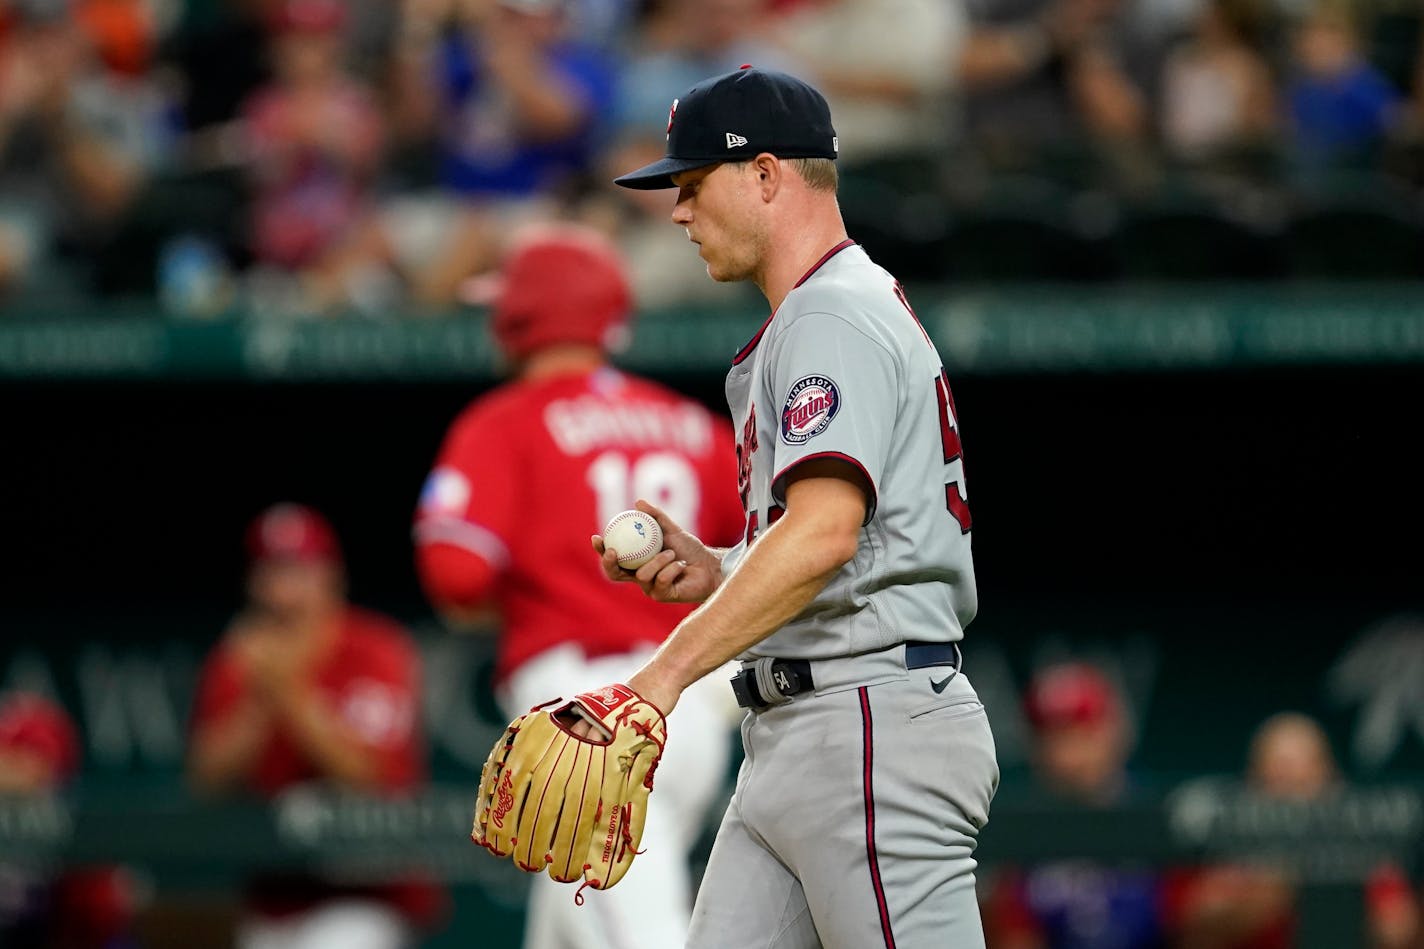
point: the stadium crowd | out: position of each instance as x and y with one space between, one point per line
314 156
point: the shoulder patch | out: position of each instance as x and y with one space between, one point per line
446 491
810 405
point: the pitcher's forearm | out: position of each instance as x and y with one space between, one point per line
777 578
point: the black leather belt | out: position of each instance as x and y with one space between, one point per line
793 676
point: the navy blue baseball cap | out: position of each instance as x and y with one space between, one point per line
737 116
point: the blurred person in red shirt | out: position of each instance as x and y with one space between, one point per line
1081 735
1081 744
306 688
82 907
526 475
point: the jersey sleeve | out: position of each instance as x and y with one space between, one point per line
836 393
465 513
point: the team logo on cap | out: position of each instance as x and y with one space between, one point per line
671 112
810 405
734 140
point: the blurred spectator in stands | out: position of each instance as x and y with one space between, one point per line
1246 906
1341 107
885 66
1081 735
677 44
305 688
1081 743
1290 759
1218 94
314 137
1046 80
1395 919
89 907
515 105
1252 906
77 141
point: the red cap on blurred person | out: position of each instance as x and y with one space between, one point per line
1070 694
30 722
292 532
560 284
309 16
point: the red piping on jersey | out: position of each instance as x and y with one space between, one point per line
868 739
746 350
839 456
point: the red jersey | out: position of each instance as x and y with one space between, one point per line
371 677
528 472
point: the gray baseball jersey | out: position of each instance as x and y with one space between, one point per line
858 806
844 370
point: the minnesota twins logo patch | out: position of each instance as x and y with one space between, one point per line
810 405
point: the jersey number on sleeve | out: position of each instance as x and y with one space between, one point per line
953 451
664 478
948 428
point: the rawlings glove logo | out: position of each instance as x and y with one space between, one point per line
506 801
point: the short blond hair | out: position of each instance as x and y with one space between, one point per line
818 173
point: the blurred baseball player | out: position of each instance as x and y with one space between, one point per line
869 762
524 475
1081 745
85 906
305 687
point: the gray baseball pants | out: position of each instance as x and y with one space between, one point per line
855 818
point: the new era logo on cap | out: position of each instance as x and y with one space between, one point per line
772 112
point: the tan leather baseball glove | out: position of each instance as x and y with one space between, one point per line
572 805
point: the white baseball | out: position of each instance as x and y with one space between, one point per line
636 537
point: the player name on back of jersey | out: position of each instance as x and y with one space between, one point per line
586 423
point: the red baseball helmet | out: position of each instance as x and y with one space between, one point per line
560 284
